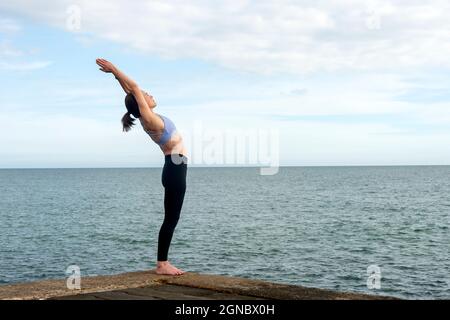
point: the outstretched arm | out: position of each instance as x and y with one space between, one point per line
124 85
108 67
129 86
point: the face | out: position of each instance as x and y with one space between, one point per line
149 99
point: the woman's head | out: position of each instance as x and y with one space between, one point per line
149 99
133 109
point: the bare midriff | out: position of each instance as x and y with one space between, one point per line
174 145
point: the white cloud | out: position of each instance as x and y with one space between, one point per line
83 141
9 26
32 139
12 58
24 66
358 95
268 36
8 51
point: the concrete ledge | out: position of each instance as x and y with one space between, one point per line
148 285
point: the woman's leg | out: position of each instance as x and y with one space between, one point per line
174 182
173 201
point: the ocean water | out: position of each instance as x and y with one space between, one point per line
312 226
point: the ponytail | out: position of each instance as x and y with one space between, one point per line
127 122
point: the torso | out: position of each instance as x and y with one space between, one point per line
173 145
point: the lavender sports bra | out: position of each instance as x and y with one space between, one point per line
169 129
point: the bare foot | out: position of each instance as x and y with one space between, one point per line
166 268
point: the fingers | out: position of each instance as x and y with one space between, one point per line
101 62
105 65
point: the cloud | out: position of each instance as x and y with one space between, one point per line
7 50
59 140
24 66
12 58
267 36
9 26
298 92
362 94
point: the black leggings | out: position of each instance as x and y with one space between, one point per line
174 182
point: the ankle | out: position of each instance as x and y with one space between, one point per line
162 263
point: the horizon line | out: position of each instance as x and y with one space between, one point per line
236 167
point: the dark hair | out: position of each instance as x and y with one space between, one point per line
127 122
133 109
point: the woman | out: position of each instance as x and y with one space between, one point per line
162 131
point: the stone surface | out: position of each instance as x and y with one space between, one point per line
146 285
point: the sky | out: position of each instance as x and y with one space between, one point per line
330 82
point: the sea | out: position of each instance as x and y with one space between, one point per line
381 230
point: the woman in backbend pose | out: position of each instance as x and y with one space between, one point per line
163 132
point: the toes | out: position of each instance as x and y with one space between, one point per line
170 271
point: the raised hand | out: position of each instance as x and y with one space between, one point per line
105 65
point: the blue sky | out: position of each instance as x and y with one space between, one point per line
342 83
